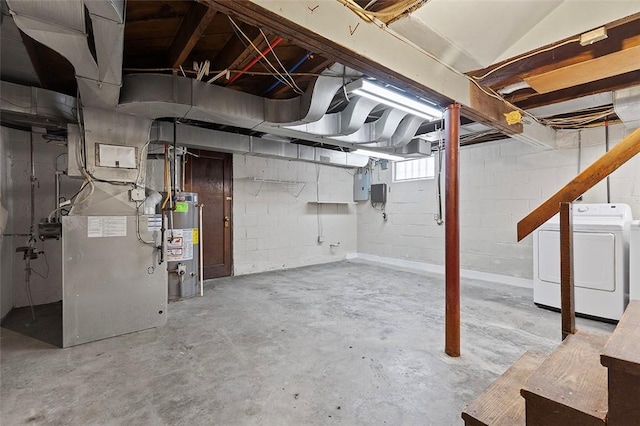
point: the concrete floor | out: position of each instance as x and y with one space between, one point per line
346 343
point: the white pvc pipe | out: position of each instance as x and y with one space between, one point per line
200 244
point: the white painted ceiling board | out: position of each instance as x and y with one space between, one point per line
571 18
483 30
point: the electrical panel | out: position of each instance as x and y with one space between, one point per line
361 186
379 193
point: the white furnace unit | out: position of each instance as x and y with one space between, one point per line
600 260
634 261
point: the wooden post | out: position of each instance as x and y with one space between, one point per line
566 270
452 231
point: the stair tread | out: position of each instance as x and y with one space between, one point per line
573 377
623 348
500 403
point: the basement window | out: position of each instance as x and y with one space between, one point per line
417 169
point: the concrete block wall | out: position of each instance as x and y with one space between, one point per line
501 182
274 230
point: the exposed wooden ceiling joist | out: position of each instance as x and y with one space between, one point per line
610 65
528 101
191 29
235 51
306 24
606 65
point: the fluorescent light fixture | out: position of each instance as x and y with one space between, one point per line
375 154
393 99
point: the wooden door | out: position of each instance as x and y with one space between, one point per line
210 175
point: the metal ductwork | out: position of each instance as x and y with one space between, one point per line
60 25
31 106
341 123
158 96
403 134
201 138
626 104
379 130
304 117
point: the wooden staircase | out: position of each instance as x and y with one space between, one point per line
587 380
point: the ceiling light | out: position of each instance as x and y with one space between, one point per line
367 89
375 154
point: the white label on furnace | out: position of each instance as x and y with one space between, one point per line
106 226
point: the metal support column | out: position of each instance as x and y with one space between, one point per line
452 230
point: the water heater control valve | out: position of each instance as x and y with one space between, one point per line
181 269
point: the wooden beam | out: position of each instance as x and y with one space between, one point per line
567 306
325 30
534 100
193 26
622 34
235 50
485 109
606 66
452 230
603 167
259 16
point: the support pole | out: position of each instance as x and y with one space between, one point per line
566 271
452 231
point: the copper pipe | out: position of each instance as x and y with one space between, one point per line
266 50
452 230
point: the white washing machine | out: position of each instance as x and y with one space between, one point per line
600 260
634 261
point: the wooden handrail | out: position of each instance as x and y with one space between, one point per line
604 166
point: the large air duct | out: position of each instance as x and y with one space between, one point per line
198 137
304 117
32 106
60 25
